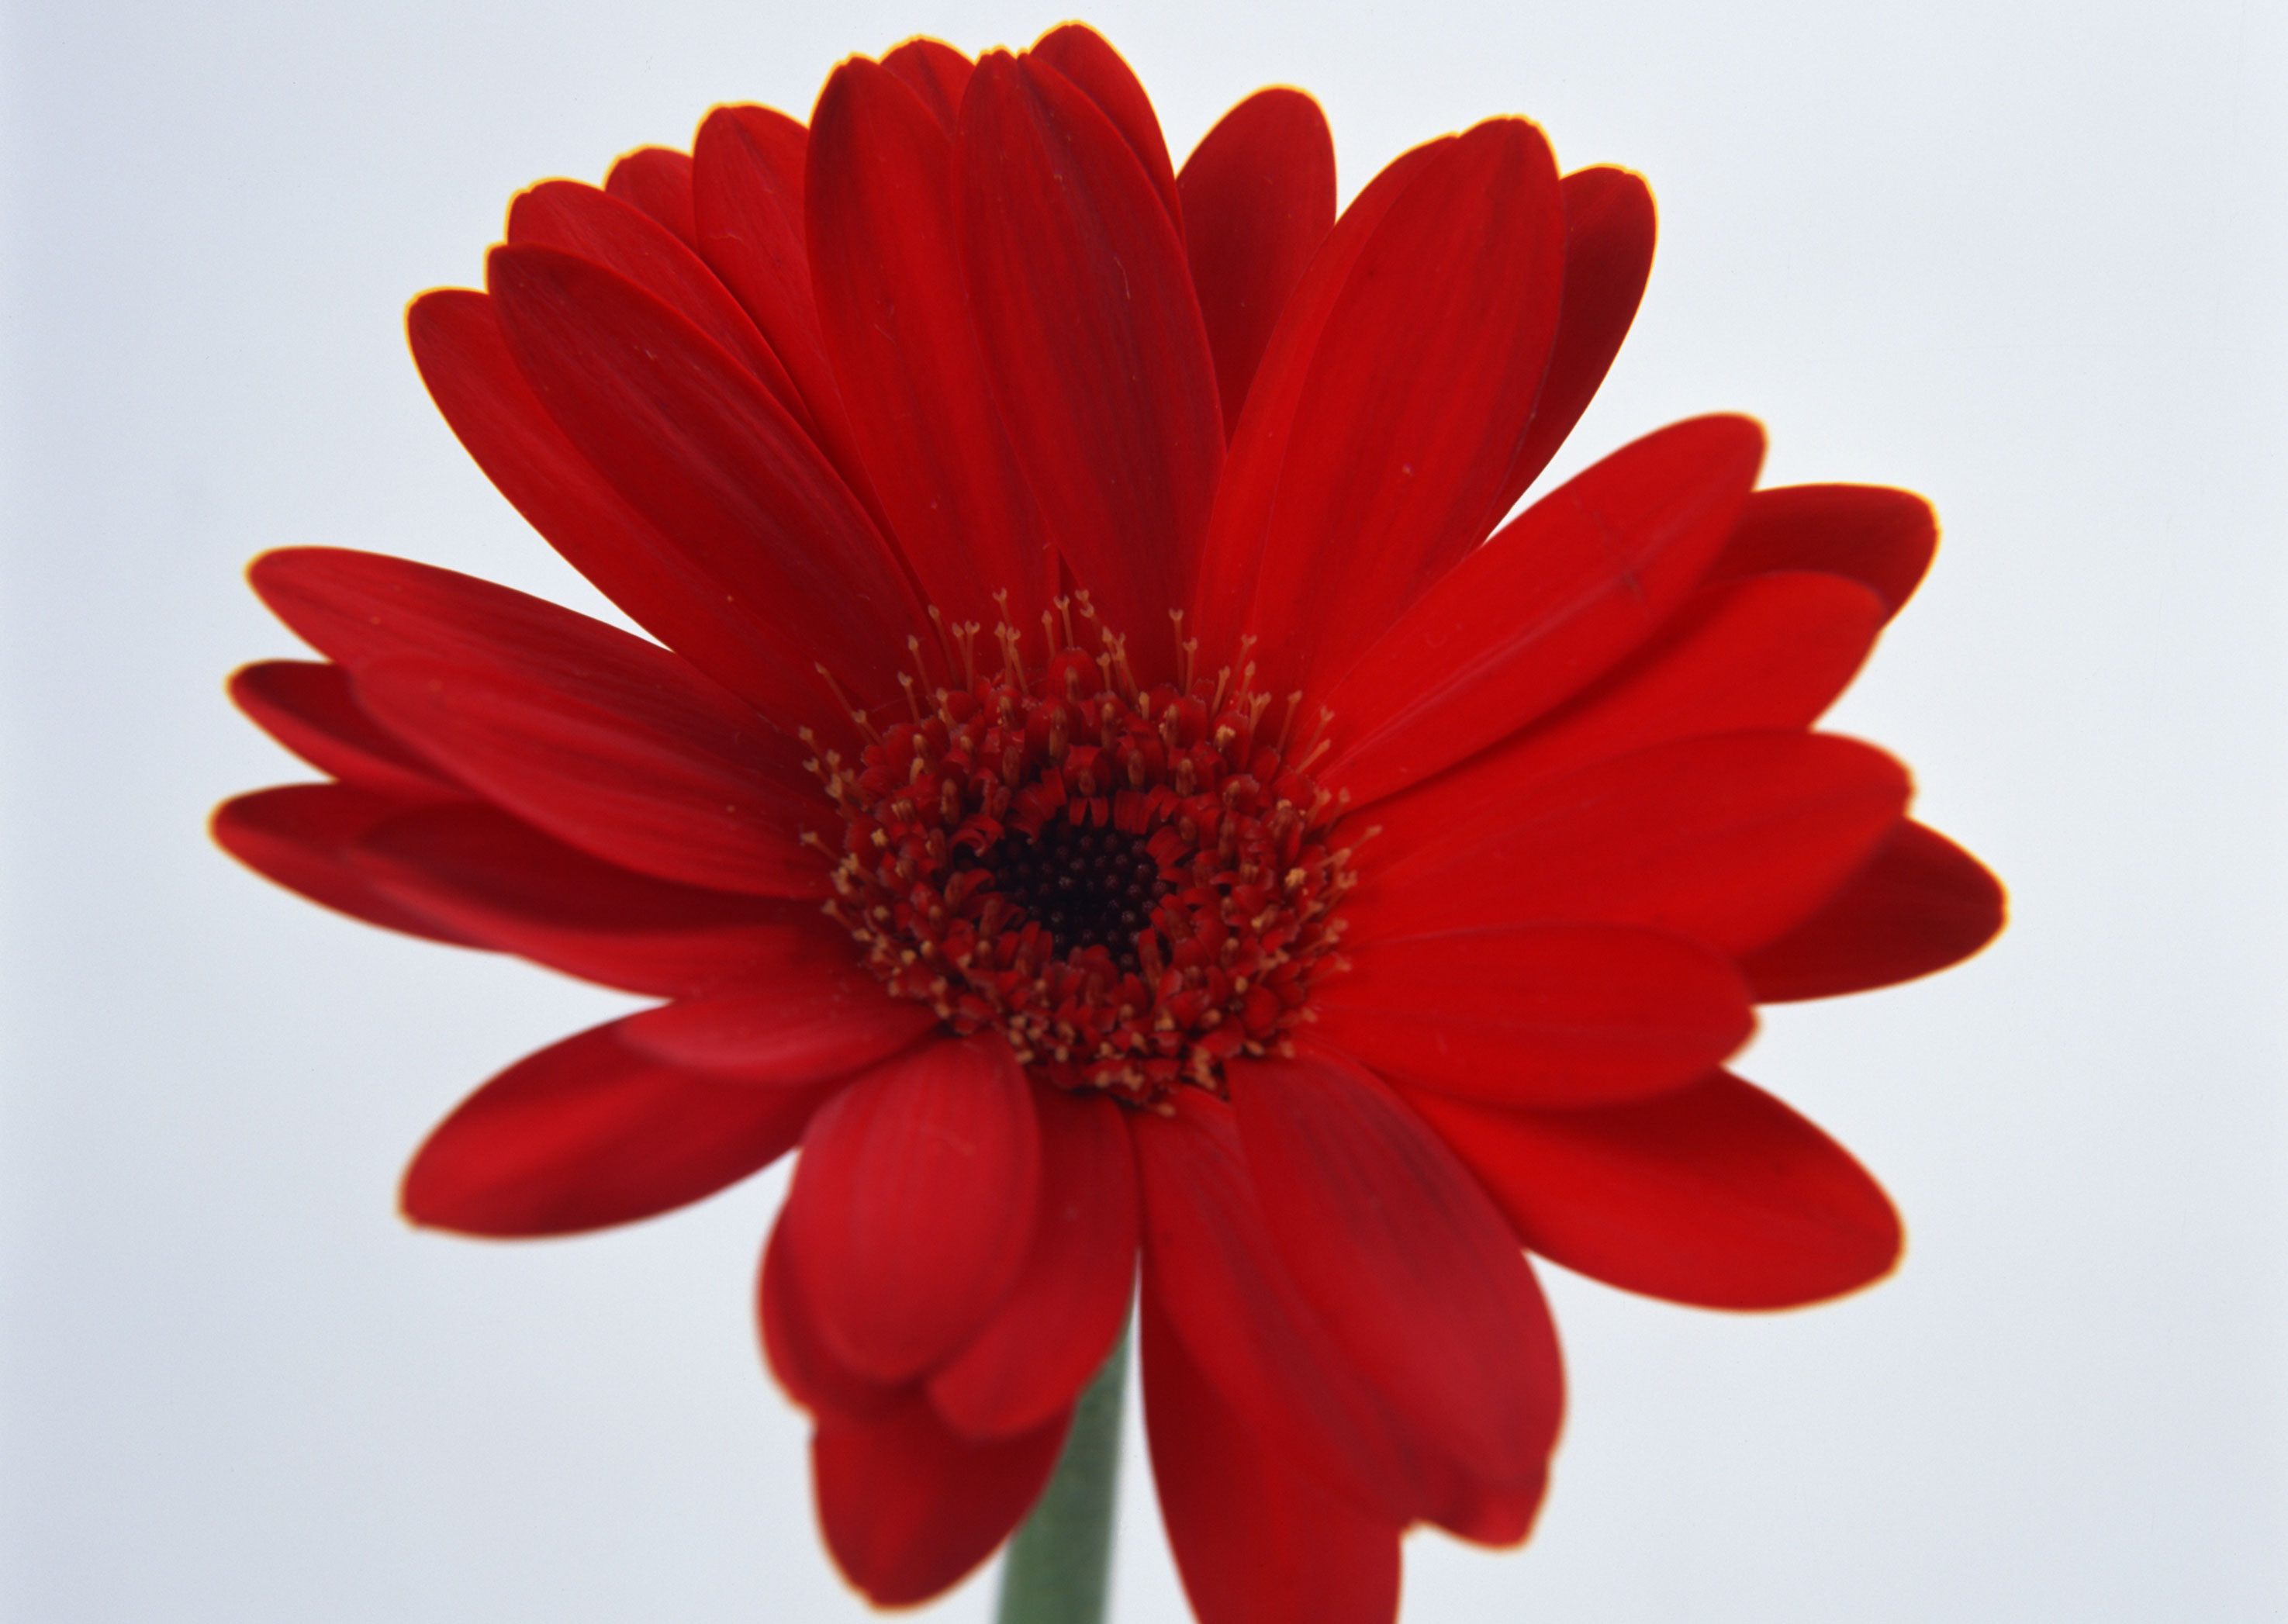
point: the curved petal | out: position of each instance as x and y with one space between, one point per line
1544 608
603 230
914 1205
908 1508
683 431
1258 196
1419 388
1062 1316
1716 1195
588 1133
896 322
1547 1016
634 778
1732 839
310 709
816 1017
1609 239
937 73
803 1364
1083 56
1765 652
1406 1260
1865 532
501 882
301 836
1257 1540
1093 338
658 180
1921 903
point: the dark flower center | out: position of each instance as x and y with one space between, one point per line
1133 884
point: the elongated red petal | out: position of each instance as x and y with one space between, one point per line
895 316
682 431
908 1507
813 1377
1717 1194
1420 386
504 884
1549 1016
301 836
666 790
309 707
658 180
1212 1265
1406 1260
813 1017
1609 239
588 1133
1763 652
1233 558
1257 1539
1733 839
1867 533
914 1204
1921 903
501 423
1544 608
1093 338
1258 196
1083 56
603 230
1061 1316
937 73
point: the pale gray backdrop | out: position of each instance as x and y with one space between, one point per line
2026 258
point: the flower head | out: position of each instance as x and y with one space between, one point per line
1108 784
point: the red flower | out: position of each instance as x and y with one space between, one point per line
1398 904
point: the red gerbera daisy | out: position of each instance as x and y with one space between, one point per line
1099 790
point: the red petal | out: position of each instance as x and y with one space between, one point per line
301 836
310 709
937 73
658 180
914 1205
1540 611
693 444
1212 1265
1093 338
896 317
1421 387
1609 238
910 1507
1408 1261
1258 197
1768 652
1867 532
636 778
1732 839
1257 1540
589 225
1921 903
1549 1016
466 365
1062 1316
1232 559
507 885
1717 1194
586 1133
813 1018
805 1367
1083 56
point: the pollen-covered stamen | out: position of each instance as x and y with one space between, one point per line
1133 884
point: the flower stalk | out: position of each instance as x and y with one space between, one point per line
1058 1567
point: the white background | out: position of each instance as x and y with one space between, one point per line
2028 259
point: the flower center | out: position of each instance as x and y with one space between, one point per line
1133 884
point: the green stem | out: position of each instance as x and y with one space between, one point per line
1059 1564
